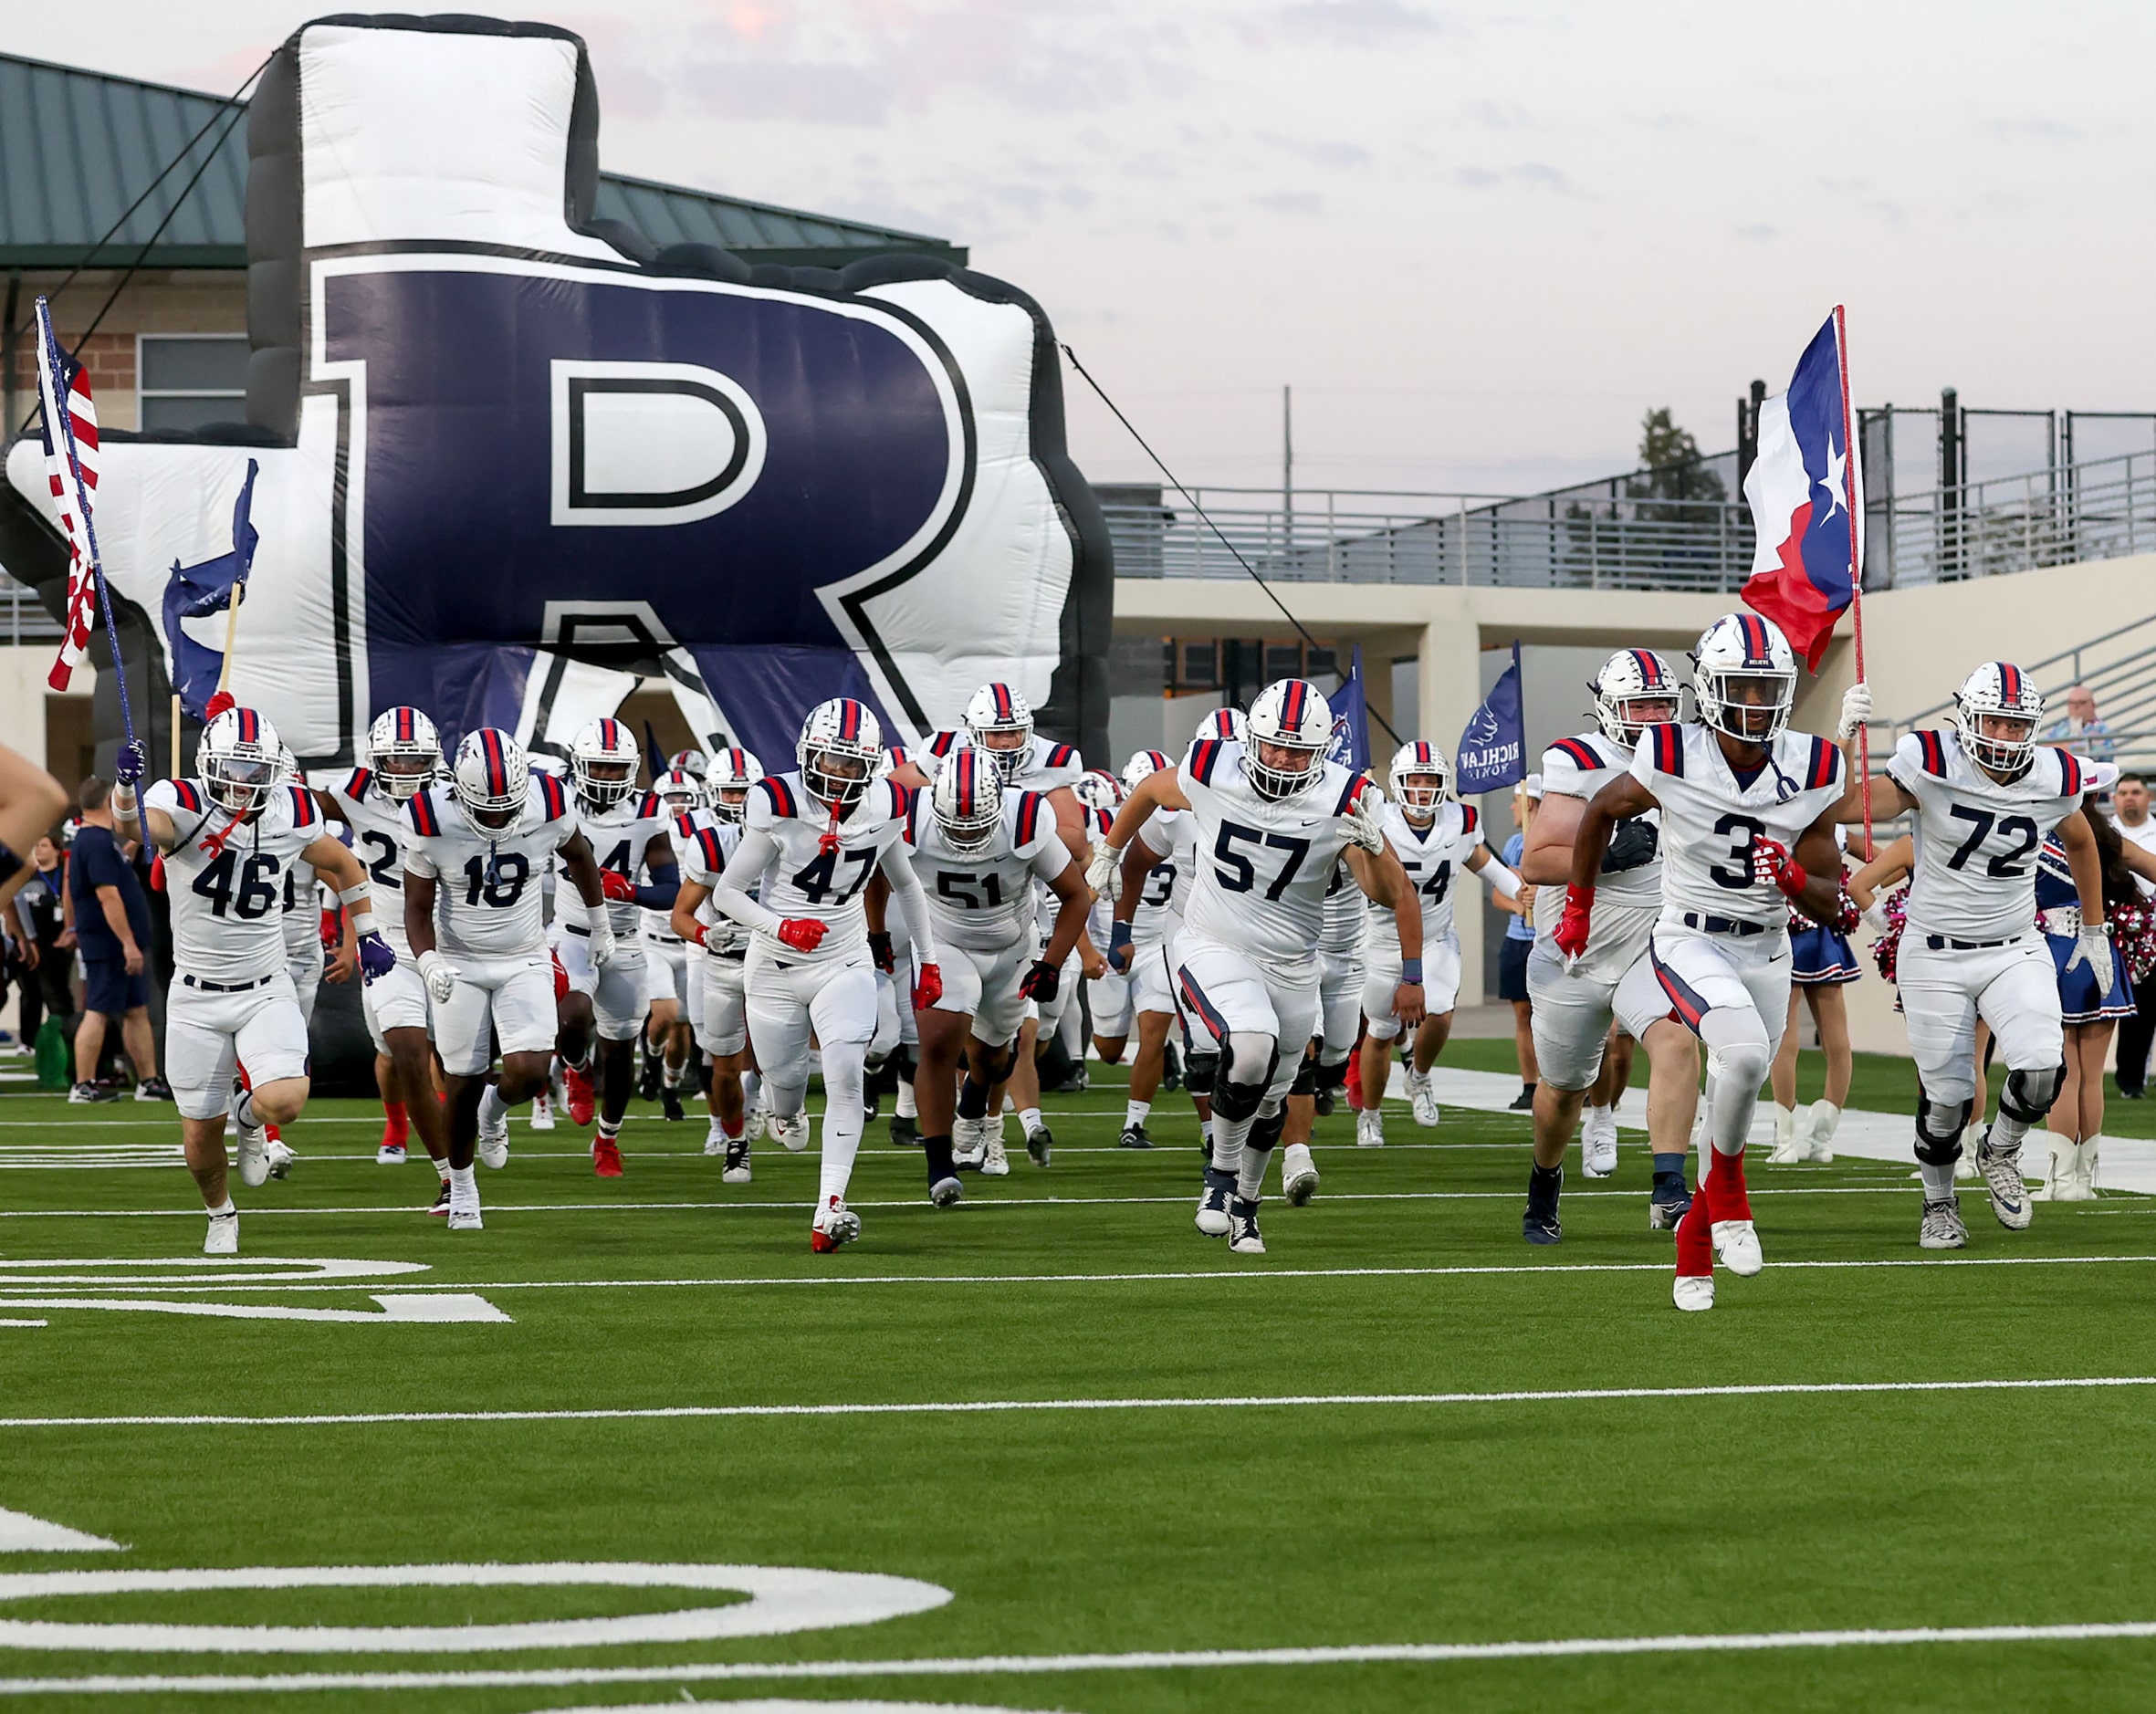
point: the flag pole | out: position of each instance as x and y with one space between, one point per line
1849 502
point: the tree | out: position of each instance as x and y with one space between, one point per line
1671 469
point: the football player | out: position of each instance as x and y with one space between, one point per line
1155 880
813 837
227 836
718 997
1984 795
1574 1009
1000 721
978 847
625 839
475 850
1272 817
669 1031
1747 823
404 758
1431 833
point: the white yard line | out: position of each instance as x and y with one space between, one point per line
1156 1660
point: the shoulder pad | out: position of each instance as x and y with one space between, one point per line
1204 756
779 795
356 787
1665 748
685 825
189 800
1027 827
940 745
2071 773
1063 756
419 810
1350 792
706 841
1580 754
1470 819
1825 767
305 811
902 800
553 795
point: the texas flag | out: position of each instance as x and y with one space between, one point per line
1806 492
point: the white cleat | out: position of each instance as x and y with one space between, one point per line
737 1170
465 1221
1941 1228
494 1146
1736 1247
1369 1129
1298 1174
1694 1291
389 1154
1243 1236
715 1141
252 1147
835 1224
2002 1182
969 1140
222 1238
1598 1146
542 1113
1423 1099
281 1158
994 1162
791 1133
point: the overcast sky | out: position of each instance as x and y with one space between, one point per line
1478 240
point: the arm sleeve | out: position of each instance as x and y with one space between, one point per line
744 869
906 888
665 882
1501 880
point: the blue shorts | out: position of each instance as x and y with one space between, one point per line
107 988
1819 957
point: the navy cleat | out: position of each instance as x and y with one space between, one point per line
1134 1137
1668 1203
1243 1236
905 1132
1540 1224
1212 1208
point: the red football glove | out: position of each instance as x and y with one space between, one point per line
1572 928
218 705
803 934
1771 860
616 886
927 988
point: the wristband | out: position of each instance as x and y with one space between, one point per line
352 895
1411 971
363 922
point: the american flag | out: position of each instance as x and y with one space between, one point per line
71 467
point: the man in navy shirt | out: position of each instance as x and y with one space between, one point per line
111 916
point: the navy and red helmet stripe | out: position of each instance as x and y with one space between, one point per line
1001 696
250 726
849 719
965 783
2010 683
404 725
1292 704
1755 632
1651 669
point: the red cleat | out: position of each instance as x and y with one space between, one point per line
579 1087
1355 1081
606 1157
821 1242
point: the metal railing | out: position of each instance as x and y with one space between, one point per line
2103 509
23 618
2118 670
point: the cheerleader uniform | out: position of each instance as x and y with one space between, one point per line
2058 915
1820 955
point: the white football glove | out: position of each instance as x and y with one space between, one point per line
1361 822
1855 711
439 975
1104 875
1874 919
2092 948
602 942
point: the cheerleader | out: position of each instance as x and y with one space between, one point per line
1821 963
2076 1121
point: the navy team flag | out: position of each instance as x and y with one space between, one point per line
1806 492
1494 748
1351 721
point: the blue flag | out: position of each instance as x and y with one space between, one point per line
1351 721
1494 748
196 591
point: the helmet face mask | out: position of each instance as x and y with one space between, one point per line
404 751
241 759
1744 678
726 787
1634 690
1997 711
967 800
602 762
1000 721
1289 727
1421 778
677 793
491 781
841 744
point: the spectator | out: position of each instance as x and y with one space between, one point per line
2130 814
48 943
111 917
1519 941
2081 728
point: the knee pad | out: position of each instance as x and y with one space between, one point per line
1252 1059
902 1063
1940 1124
1331 1077
1305 1081
2029 1095
1233 1100
1200 1071
1265 1131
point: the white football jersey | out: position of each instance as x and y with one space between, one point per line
804 879
1434 857
984 903
228 904
619 836
705 844
1578 768
303 898
1710 817
1262 866
1978 841
1170 835
1348 924
379 831
1047 766
487 889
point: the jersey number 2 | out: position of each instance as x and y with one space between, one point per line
2005 866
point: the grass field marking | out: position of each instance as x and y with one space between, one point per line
1155 1660
972 1408
782 1600
27 1274
402 1308
22 1533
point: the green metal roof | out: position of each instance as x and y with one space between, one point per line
77 147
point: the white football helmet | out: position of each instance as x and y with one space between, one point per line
490 779
1098 791
1421 779
1223 723
1745 678
967 799
2001 694
725 789
1141 764
1634 690
693 763
1001 722
677 793
241 759
602 761
840 745
1289 717
404 751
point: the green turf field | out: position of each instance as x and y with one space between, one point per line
1186 1551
